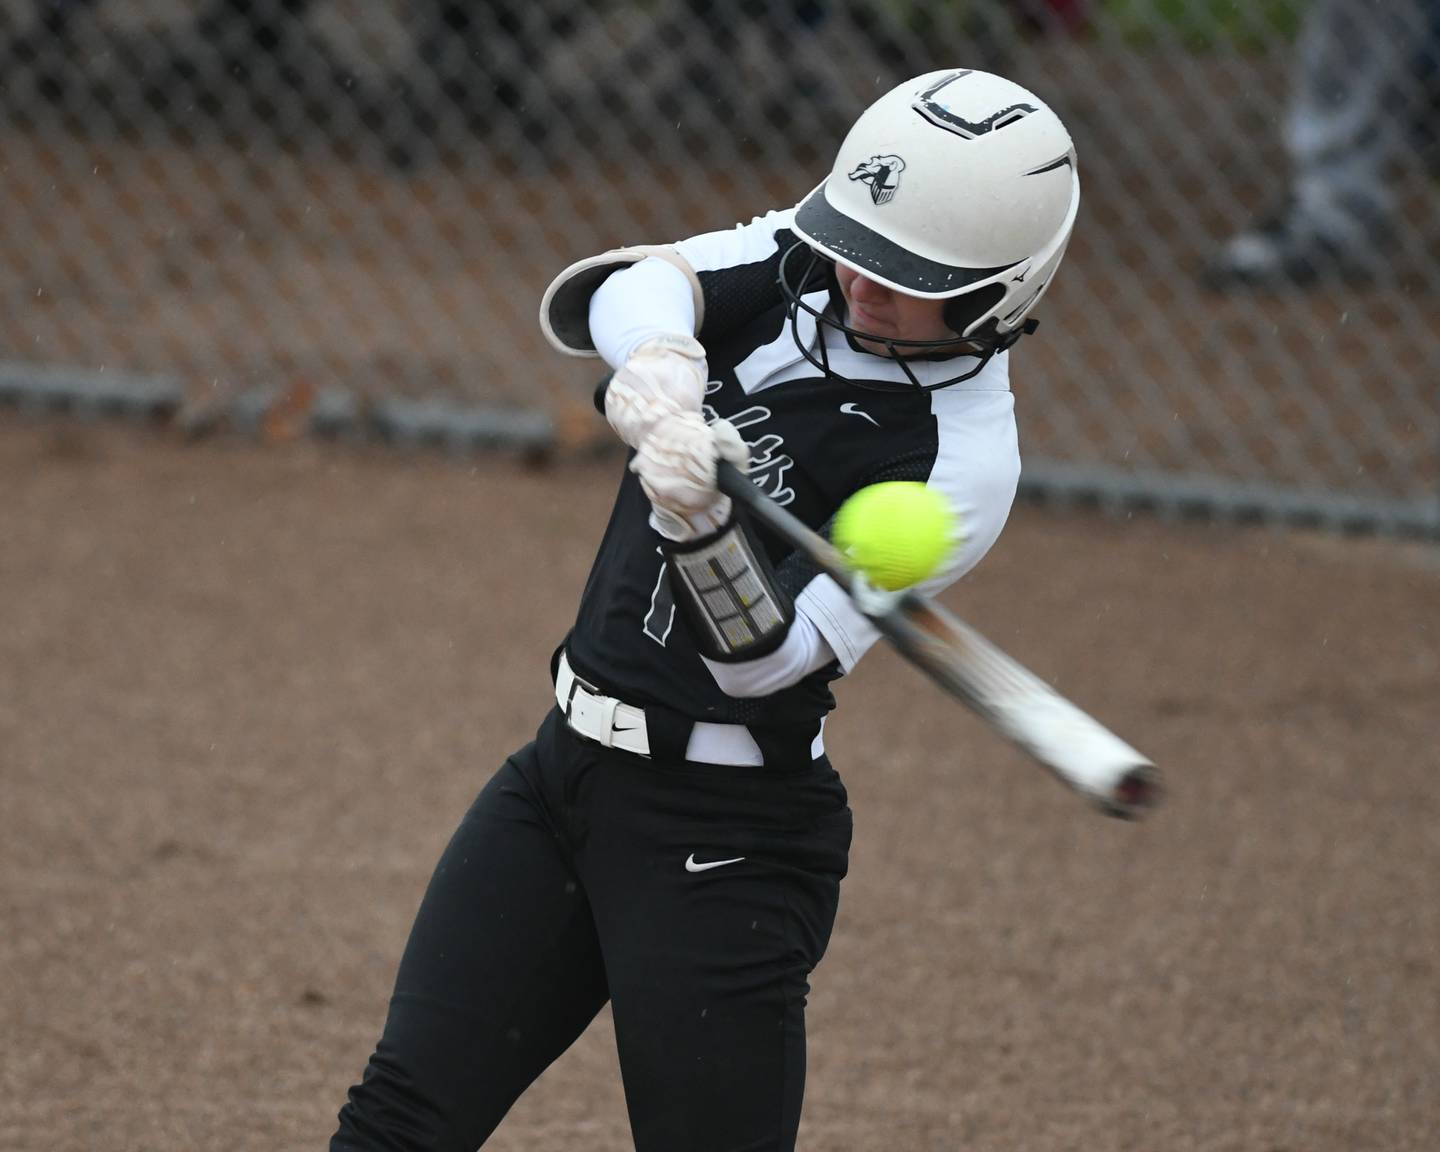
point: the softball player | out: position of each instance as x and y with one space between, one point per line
674 838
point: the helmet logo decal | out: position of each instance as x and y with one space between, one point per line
882 173
943 116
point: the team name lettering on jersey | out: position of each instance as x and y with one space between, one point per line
768 464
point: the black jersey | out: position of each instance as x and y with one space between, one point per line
813 441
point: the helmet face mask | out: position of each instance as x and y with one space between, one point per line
802 266
958 186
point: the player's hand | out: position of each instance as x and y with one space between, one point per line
676 465
664 376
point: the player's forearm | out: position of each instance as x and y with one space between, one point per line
804 650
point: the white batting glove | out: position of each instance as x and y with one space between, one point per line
664 376
676 465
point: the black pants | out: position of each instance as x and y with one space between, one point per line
570 882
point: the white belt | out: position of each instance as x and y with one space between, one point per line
603 719
615 724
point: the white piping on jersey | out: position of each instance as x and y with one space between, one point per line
780 360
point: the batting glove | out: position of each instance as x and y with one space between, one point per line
676 464
663 377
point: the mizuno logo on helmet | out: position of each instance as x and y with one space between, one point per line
942 116
882 173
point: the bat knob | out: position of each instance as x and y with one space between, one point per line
1136 793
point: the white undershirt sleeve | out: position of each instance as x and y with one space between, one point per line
648 299
803 651
847 631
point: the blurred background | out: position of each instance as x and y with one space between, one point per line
339 215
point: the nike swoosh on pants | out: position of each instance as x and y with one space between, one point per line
692 866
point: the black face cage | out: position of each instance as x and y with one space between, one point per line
819 272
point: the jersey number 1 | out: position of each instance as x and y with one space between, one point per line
661 617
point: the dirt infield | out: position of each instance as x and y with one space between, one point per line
246 693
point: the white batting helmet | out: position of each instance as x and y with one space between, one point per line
956 185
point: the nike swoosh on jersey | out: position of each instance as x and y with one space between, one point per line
692 866
852 410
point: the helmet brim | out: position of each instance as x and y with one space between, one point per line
845 240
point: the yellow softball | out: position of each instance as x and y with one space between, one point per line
896 533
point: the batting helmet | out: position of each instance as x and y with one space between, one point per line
957 185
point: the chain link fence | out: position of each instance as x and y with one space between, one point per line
342 213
